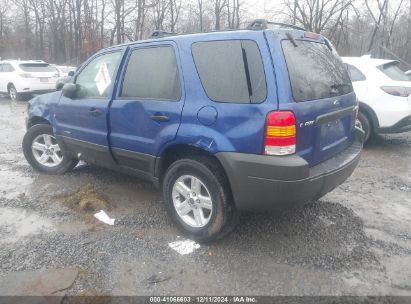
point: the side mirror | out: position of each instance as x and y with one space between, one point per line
69 90
59 85
62 81
71 73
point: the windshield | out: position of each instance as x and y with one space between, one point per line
36 67
315 71
392 70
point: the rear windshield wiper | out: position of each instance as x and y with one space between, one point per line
289 36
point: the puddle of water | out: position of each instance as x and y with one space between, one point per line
18 223
13 184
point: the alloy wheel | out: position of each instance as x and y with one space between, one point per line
13 93
46 150
192 201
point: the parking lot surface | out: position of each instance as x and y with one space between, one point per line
354 241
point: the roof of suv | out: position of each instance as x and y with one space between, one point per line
213 35
189 36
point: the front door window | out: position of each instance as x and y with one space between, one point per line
96 80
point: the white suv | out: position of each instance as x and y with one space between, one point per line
24 78
384 92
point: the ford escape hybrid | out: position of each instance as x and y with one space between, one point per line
257 119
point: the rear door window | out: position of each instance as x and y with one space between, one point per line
231 70
355 73
152 73
315 71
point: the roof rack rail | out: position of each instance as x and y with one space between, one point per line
262 24
161 34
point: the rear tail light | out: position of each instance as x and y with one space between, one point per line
311 35
280 134
26 75
397 91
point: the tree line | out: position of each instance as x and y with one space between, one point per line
69 31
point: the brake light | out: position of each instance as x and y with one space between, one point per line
280 134
311 35
26 75
397 91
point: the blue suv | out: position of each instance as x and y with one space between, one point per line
256 119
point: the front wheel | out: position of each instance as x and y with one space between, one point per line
198 199
14 95
43 153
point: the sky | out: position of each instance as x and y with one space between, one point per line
261 8
265 8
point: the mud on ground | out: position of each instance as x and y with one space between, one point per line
354 241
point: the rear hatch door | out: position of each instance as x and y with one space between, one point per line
39 72
320 94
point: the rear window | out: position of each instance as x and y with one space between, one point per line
315 71
6 67
37 67
392 70
231 70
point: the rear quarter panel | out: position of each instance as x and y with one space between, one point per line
238 127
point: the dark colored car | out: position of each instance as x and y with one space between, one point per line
258 119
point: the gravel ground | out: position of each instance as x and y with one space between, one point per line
354 241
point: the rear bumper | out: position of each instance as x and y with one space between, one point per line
261 182
403 125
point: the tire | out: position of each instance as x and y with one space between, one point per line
365 125
38 142
220 219
14 95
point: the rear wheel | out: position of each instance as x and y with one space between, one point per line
14 95
43 152
198 199
365 125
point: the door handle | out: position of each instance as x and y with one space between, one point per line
94 112
160 118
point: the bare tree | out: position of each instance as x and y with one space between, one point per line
175 7
200 13
71 30
233 14
381 8
316 15
219 6
160 9
3 20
